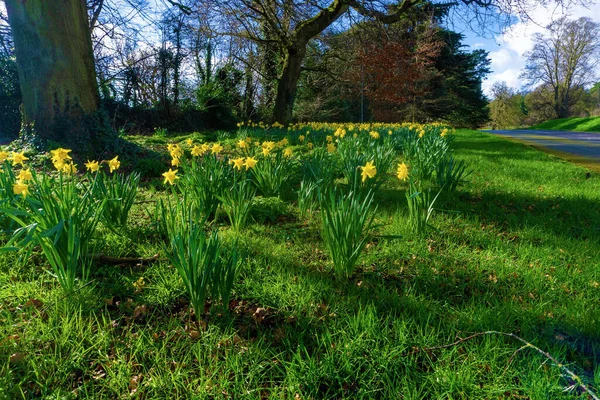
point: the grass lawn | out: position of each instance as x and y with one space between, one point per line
591 124
515 250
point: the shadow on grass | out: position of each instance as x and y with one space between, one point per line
563 217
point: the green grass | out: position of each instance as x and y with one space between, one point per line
591 124
515 250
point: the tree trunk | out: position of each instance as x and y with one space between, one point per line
557 105
56 68
287 84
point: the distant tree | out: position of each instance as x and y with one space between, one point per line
394 69
595 99
459 97
563 59
505 108
540 105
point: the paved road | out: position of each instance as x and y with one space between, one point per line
581 144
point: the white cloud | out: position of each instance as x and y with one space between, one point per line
501 58
510 76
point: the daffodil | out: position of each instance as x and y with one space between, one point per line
216 148
242 144
329 138
25 175
114 164
189 142
288 152
69 168
92 166
301 138
269 145
368 170
238 163
58 164
175 162
3 156
310 145
175 150
170 176
205 147
60 155
250 162
21 188
18 158
340 132
374 134
330 147
266 151
402 172
197 151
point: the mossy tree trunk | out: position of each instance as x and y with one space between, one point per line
56 69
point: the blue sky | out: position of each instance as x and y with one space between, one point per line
507 49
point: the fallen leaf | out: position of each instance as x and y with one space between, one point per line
259 315
16 358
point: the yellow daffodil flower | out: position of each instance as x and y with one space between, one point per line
216 148
170 176
175 162
269 145
3 156
114 164
25 175
189 142
92 166
402 172
242 144
58 164
18 158
238 163
368 170
69 168
301 138
374 134
197 151
331 147
250 162
60 155
21 188
175 150
288 152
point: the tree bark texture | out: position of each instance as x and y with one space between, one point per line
56 67
295 50
287 85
